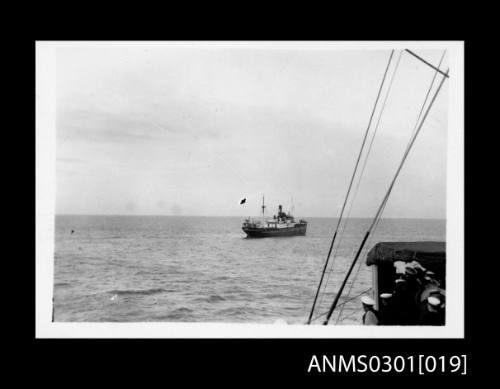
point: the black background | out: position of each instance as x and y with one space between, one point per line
232 362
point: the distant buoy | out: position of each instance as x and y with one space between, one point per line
72 231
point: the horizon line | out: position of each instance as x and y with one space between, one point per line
239 216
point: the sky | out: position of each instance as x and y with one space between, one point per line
170 130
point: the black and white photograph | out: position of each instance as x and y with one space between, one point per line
249 189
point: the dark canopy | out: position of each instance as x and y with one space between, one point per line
431 255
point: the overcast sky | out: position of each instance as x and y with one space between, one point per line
191 131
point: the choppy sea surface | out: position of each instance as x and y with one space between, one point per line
204 269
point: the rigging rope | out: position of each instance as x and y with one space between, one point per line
416 128
361 176
349 291
412 141
372 235
342 303
369 148
419 115
349 188
428 93
386 197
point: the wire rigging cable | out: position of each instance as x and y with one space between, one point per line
363 169
412 141
355 193
349 292
386 197
341 235
350 185
419 114
428 93
343 303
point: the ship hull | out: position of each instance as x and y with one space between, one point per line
275 232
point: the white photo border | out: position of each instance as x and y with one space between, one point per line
45 209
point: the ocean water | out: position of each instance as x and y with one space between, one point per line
204 269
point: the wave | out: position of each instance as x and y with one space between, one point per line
176 314
214 298
235 311
144 292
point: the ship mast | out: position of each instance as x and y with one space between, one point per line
263 207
